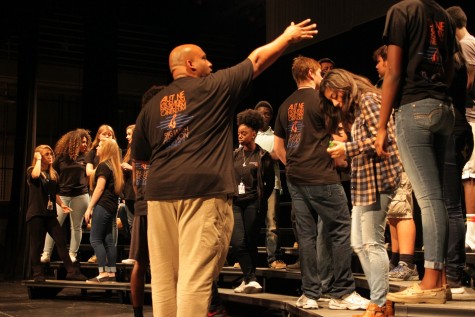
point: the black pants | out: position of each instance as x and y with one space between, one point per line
38 227
247 221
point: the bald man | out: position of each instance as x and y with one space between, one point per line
185 132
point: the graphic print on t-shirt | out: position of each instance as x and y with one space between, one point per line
141 173
174 120
433 69
295 119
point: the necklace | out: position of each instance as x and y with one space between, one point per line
246 159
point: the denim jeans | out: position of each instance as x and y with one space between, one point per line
102 238
368 224
247 222
78 204
325 257
328 202
453 202
422 130
272 220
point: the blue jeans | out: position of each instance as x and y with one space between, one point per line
328 202
367 239
325 257
453 202
102 238
422 129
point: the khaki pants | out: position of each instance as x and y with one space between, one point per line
188 242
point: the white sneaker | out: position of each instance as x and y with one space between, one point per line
73 257
45 257
128 261
457 290
306 303
252 288
351 301
240 288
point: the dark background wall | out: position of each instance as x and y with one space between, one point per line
70 64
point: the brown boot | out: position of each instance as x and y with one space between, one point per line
373 310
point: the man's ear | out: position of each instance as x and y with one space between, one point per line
189 64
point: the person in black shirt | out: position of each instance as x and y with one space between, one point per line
73 188
185 132
421 45
254 180
107 182
41 216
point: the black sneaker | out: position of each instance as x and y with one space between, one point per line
295 266
39 279
76 276
217 311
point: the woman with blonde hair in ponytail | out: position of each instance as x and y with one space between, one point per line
106 182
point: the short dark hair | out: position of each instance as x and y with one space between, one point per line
381 51
326 60
265 104
251 118
459 17
150 93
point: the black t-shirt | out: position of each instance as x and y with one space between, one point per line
108 200
129 193
302 126
41 190
426 35
72 175
246 165
185 132
92 158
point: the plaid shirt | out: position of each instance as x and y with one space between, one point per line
371 174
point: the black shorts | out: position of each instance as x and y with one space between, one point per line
139 244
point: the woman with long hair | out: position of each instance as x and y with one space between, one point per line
255 180
104 132
92 160
355 102
129 195
41 216
70 164
106 182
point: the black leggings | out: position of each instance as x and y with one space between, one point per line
247 221
38 227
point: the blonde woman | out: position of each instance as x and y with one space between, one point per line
106 182
104 132
41 214
70 164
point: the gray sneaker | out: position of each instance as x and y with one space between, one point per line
306 303
403 273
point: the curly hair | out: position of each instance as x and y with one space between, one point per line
251 118
69 145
